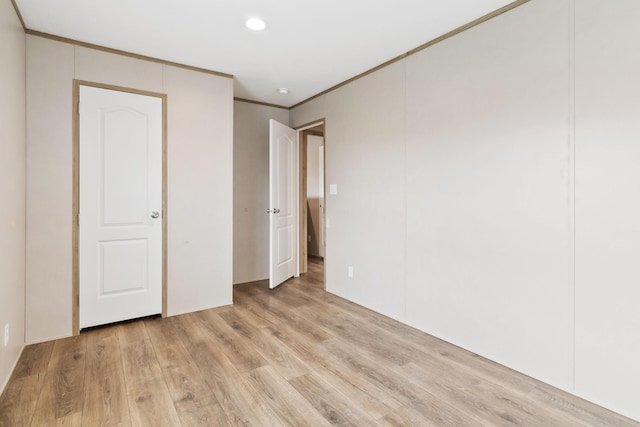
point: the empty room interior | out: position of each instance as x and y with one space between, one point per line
372 213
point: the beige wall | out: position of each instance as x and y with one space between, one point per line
200 119
488 191
12 188
251 189
607 203
473 206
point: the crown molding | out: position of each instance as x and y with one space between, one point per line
125 53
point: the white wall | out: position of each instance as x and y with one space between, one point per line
364 145
488 196
608 203
457 207
251 189
200 120
12 188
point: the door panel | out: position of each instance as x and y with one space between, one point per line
125 150
123 267
284 247
282 185
120 230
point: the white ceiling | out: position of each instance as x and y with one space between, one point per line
308 47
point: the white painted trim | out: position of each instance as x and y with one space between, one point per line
297 202
53 338
312 125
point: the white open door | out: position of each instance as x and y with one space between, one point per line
120 223
282 200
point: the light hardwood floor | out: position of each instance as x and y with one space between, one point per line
293 356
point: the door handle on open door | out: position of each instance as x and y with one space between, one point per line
155 214
274 211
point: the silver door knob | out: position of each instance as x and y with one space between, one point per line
155 214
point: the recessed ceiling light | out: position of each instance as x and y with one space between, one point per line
255 24
283 91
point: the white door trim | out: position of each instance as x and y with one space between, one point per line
310 125
299 130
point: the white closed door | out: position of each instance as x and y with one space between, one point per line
120 213
282 197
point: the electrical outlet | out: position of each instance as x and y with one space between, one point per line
6 334
350 272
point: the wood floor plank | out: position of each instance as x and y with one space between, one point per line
586 413
334 406
194 401
288 297
68 361
309 329
365 336
238 349
169 349
19 400
240 405
431 407
317 294
252 317
61 393
257 309
131 332
285 362
240 323
105 401
281 398
368 396
266 304
34 360
405 416
149 400
323 363
222 377
485 400
70 420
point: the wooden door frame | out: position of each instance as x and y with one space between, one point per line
303 132
75 291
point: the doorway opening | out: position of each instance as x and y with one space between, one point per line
312 235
